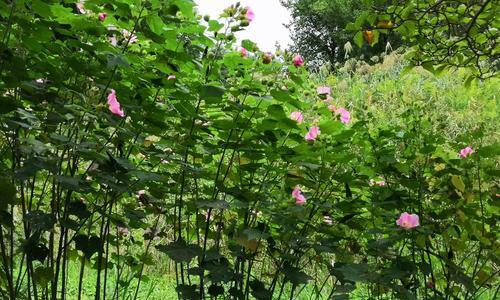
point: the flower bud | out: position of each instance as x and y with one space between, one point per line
267 58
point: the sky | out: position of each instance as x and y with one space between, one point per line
266 29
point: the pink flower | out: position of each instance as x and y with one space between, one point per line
123 231
299 198
243 52
113 40
345 116
171 77
313 133
298 61
102 16
114 105
250 15
465 152
297 116
129 36
379 182
408 221
328 99
332 108
324 90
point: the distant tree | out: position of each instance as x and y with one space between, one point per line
319 29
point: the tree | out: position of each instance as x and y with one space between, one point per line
319 29
443 33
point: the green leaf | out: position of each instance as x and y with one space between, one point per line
212 94
216 290
7 104
188 291
89 246
117 60
458 183
296 276
43 275
330 127
358 39
214 25
180 251
489 151
7 193
354 272
259 290
155 23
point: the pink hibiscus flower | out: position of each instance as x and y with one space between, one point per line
466 152
408 221
313 133
299 198
298 61
297 116
114 105
345 116
250 15
323 90
243 52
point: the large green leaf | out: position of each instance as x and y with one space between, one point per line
180 251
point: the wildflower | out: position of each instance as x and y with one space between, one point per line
249 15
298 61
114 105
345 116
332 108
102 16
328 99
132 38
465 152
323 90
408 221
299 198
123 231
243 52
171 77
379 182
297 116
313 133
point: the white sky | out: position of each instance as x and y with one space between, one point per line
267 27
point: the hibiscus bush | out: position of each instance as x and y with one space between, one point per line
140 139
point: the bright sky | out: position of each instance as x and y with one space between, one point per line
267 27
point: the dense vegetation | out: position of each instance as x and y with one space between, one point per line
319 30
145 155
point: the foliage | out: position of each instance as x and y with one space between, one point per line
319 30
444 34
195 180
